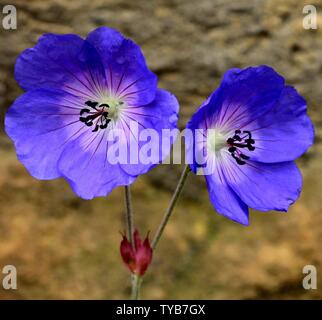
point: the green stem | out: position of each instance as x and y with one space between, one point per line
172 204
129 213
129 224
136 285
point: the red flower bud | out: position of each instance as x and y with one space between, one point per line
136 258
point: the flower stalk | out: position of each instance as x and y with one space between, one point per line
172 204
136 286
129 213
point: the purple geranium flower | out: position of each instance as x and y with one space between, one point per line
255 127
78 92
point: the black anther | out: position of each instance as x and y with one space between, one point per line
98 112
239 141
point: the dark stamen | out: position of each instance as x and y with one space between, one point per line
99 111
236 142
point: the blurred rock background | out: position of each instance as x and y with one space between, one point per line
65 247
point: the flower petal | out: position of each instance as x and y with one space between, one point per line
126 71
152 120
85 164
244 95
41 122
62 61
262 186
284 133
223 197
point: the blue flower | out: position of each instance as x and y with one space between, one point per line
79 92
255 126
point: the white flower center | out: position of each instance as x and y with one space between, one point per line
114 107
215 140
